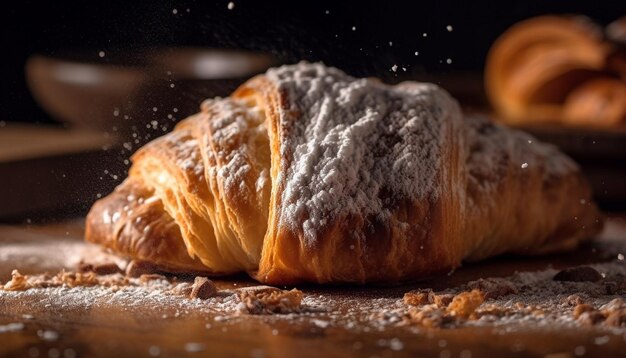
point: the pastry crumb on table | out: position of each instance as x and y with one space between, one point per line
510 305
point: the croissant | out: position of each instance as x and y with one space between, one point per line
556 69
307 174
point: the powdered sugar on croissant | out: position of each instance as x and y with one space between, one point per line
307 174
359 146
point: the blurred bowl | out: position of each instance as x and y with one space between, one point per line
128 92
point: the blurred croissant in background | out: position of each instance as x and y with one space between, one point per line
559 69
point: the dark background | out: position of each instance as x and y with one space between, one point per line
294 30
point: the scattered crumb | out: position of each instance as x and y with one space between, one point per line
443 300
493 287
418 297
265 299
465 303
21 282
584 295
202 288
531 299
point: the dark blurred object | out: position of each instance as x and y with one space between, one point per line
557 69
117 93
50 172
113 106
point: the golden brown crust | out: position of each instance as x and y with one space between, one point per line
221 201
141 229
354 248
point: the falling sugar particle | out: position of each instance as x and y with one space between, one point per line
101 54
416 53
327 12
154 109
524 165
154 351
449 28
425 34
12 327
194 347
353 28
579 351
116 112
601 340
530 141
448 61
172 85
394 68
620 257
47 335
404 69
175 110
395 344
231 5
390 43
175 11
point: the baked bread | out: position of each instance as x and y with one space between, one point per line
307 174
557 69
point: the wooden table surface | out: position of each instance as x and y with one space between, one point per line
60 329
